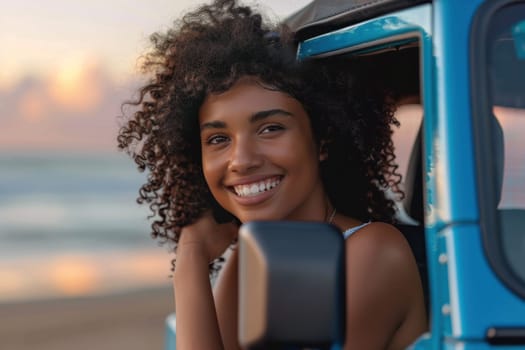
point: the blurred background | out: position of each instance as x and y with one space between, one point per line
77 264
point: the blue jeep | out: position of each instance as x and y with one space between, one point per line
458 67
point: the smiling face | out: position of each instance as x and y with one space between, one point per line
259 156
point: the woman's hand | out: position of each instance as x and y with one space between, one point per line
199 244
207 236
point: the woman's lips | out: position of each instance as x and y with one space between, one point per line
257 187
253 193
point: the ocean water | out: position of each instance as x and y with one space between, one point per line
70 225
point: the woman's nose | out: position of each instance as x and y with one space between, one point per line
245 155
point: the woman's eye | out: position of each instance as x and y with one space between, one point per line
271 128
217 139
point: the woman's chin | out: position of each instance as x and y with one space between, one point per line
247 217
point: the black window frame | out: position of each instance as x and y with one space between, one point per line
484 140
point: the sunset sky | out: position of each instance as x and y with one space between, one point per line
68 65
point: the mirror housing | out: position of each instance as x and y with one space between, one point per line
291 285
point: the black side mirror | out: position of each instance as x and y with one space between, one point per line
291 285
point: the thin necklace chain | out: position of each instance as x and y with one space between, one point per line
331 218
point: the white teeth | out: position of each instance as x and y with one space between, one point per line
255 188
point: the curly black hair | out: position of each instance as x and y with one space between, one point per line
207 51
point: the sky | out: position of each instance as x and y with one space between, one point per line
68 65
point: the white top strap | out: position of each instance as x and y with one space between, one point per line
352 230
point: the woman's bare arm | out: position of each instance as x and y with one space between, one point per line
197 326
385 305
226 301
200 243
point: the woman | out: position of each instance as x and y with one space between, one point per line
233 129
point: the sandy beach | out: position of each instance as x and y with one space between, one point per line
132 320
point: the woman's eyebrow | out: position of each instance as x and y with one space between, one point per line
216 124
265 114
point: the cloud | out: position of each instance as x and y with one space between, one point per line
33 103
75 107
77 86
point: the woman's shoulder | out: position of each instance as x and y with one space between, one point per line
382 242
383 278
382 274
379 256
383 257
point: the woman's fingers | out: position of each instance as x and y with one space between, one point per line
208 235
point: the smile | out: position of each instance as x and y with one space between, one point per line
255 188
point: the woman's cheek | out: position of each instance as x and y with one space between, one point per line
212 167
